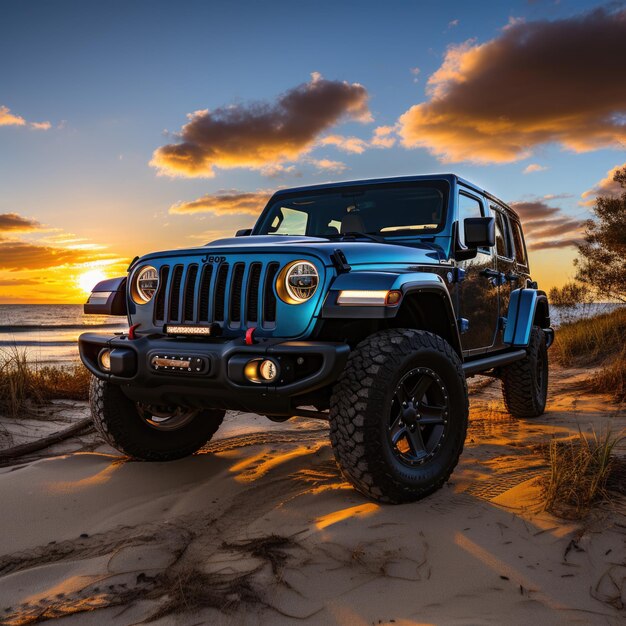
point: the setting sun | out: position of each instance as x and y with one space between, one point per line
87 280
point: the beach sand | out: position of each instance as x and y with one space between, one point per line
262 517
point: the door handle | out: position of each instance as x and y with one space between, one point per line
491 273
496 278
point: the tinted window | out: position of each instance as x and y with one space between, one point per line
388 211
520 249
503 241
468 207
289 222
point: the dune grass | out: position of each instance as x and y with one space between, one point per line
25 384
591 340
594 341
582 473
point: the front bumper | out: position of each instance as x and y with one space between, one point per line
219 381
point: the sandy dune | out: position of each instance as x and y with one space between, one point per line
263 518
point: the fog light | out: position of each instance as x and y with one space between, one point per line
261 370
104 359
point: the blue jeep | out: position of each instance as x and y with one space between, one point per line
363 303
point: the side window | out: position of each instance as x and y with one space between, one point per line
289 222
503 240
520 248
468 207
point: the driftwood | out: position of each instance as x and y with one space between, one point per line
34 446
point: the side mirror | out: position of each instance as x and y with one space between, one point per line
244 232
480 232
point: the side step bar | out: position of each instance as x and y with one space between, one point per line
482 365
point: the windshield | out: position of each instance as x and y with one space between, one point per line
383 210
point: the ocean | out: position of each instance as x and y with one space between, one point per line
49 333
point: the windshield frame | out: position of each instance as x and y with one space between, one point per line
442 184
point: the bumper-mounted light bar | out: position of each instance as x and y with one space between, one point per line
212 330
358 297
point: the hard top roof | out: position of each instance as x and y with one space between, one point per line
451 178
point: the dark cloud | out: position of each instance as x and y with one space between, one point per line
15 222
262 134
542 223
533 210
225 203
554 243
548 81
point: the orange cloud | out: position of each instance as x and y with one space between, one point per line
606 187
9 119
261 134
40 125
534 167
347 144
24 255
329 165
538 82
224 203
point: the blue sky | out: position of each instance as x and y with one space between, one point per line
112 77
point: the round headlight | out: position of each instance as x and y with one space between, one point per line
146 284
297 282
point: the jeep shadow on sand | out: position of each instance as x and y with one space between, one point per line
365 303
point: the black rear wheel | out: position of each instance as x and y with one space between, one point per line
525 382
398 415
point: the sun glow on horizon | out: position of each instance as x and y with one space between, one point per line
89 279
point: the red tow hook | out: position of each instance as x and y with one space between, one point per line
249 336
131 331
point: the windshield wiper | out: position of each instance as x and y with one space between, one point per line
353 234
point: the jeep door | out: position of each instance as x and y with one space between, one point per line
478 292
509 279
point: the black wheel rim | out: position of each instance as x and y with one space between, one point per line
419 415
166 418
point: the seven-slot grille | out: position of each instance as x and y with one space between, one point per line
234 294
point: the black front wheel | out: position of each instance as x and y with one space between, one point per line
398 415
149 433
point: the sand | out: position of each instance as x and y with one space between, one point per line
262 518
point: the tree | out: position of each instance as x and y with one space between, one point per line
602 255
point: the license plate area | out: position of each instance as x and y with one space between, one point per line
184 364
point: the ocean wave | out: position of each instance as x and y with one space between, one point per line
25 328
28 342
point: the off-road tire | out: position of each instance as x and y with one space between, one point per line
359 414
117 420
525 382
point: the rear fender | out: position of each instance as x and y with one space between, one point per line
527 307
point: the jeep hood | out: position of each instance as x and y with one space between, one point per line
361 252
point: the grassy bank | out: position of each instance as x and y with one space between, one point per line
25 384
597 341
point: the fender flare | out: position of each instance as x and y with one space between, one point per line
410 284
524 306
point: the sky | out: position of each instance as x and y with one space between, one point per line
128 127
